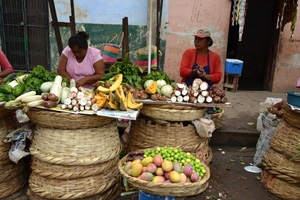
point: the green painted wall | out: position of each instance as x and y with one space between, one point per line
99 36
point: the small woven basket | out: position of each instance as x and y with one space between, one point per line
291 116
53 171
76 147
13 185
173 112
10 170
66 121
278 187
217 118
150 133
167 189
111 193
279 166
285 140
73 188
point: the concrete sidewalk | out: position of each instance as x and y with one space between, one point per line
239 119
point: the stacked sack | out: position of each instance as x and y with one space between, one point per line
74 156
13 177
281 172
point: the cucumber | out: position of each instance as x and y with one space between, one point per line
9 78
18 90
6 89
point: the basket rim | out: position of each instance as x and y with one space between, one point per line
165 189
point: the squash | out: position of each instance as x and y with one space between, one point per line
151 89
100 101
113 106
117 83
131 102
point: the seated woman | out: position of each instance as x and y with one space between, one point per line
200 62
5 67
80 62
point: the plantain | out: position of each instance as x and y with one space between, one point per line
117 83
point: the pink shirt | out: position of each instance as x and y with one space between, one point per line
85 68
4 63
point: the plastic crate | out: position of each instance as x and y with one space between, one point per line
234 66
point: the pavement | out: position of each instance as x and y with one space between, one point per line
233 147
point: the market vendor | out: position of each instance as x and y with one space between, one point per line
5 67
81 62
200 62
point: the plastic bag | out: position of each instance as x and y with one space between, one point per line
19 139
204 126
21 116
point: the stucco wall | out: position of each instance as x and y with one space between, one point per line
287 68
184 19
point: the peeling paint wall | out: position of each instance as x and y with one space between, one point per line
287 67
213 15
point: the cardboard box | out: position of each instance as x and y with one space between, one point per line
233 66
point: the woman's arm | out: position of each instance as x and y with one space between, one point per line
6 67
185 67
99 67
61 68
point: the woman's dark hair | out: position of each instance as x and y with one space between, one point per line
79 39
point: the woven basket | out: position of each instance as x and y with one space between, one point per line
11 186
110 194
291 116
7 124
73 188
53 171
70 121
4 112
11 170
279 166
279 188
170 189
173 112
204 154
4 149
217 118
76 147
149 133
285 140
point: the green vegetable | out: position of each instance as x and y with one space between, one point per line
167 90
218 109
161 83
6 89
9 78
147 83
129 71
2 97
10 97
18 90
46 86
158 75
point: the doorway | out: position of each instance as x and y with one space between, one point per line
24 33
258 45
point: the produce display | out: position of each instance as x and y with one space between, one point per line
164 165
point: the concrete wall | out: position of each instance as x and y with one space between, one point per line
287 68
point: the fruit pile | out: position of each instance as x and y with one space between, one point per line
164 165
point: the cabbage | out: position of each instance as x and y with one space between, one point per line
167 90
147 83
160 83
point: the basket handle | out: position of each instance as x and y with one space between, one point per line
115 37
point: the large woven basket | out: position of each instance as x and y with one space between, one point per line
4 112
149 133
7 124
291 116
110 194
279 188
167 189
73 188
10 170
279 166
285 140
70 121
53 171
76 147
13 185
173 112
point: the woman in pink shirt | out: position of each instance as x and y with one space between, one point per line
81 62
5 67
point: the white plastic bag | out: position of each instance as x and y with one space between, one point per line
21 116
204 127
18 139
